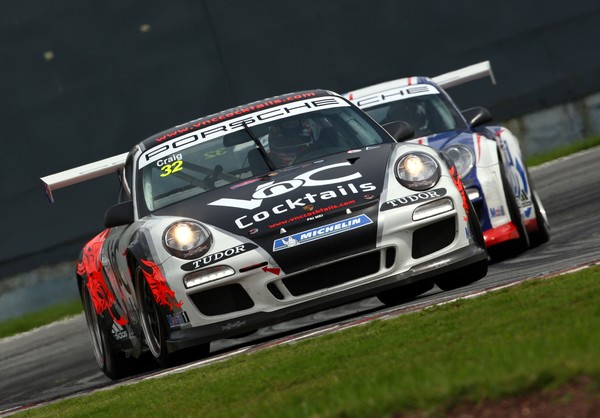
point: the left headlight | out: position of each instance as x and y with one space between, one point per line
417 171
187 239
463 158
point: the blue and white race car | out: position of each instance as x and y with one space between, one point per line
262 213
488 158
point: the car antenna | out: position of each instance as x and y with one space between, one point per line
260 146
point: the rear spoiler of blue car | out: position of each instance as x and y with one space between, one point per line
466 74
446 80
82 173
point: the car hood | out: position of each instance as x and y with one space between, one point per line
280 210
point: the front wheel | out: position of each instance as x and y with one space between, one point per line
155 328
153 325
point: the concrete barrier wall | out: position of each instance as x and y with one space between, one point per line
545 129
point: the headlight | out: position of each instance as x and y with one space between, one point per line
187 239
417 171
462 157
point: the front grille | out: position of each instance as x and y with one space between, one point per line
336 273
434 237
222 300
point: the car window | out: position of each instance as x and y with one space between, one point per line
199 165
427 114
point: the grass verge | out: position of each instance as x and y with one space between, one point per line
533 336
37 319
563 151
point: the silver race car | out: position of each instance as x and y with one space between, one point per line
260 214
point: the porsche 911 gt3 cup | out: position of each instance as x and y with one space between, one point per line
488 158
262 213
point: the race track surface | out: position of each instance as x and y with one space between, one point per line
57 361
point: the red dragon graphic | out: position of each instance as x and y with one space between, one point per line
90 267
163 295
461 189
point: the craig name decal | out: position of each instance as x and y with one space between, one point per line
321 232
413 198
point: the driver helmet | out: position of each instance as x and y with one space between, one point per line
411 111
289 139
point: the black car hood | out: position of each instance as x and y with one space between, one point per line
323 203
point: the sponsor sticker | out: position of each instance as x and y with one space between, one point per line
495 212
321 232
396 93
178 319
276 191
267 115
413 199
209 259
119 332
233 325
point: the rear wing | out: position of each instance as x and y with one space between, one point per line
466 74
82 173
450 79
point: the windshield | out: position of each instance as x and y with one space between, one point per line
191 166
427 114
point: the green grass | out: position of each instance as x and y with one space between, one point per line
42 317
563 151
530 337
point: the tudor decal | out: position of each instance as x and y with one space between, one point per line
321 232
218 256
413 198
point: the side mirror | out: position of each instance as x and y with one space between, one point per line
399 130
119 214
477 116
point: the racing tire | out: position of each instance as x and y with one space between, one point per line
542 234
516 246
475 226
404 293
462 276
153 324
113 363
155 329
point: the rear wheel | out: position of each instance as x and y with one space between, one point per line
462 276
113 363
405 293
516 246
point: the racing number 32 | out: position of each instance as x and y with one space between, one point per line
171 168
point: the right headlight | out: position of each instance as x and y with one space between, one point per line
187 239
463 158
417 171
